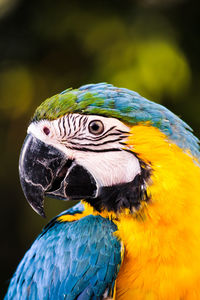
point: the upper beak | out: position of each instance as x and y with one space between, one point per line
38 165
45 170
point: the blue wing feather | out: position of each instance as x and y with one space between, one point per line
69 260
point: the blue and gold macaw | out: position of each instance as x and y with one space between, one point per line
136 233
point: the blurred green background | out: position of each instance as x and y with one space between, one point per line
151 46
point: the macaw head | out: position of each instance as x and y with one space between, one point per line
106 145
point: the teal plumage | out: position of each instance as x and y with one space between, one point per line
126 105
69 260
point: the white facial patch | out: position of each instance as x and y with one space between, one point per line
94 142
110 168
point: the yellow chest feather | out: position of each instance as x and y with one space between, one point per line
162 242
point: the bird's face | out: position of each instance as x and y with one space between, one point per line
81 157
79 146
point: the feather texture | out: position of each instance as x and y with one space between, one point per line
69 260
123 104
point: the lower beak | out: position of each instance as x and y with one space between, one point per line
45 170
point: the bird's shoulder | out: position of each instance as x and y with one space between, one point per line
73 257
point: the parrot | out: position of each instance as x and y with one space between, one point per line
134 167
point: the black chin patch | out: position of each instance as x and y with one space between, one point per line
127 195
80 183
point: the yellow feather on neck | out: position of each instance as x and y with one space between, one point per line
162 249
162 239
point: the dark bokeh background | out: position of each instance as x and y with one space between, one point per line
151 46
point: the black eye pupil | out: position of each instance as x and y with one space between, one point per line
95 127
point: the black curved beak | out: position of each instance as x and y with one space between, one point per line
45 170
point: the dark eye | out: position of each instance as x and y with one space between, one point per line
46 130
96 127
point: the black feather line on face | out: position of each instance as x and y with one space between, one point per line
59 121
99 144
126 195
82 137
